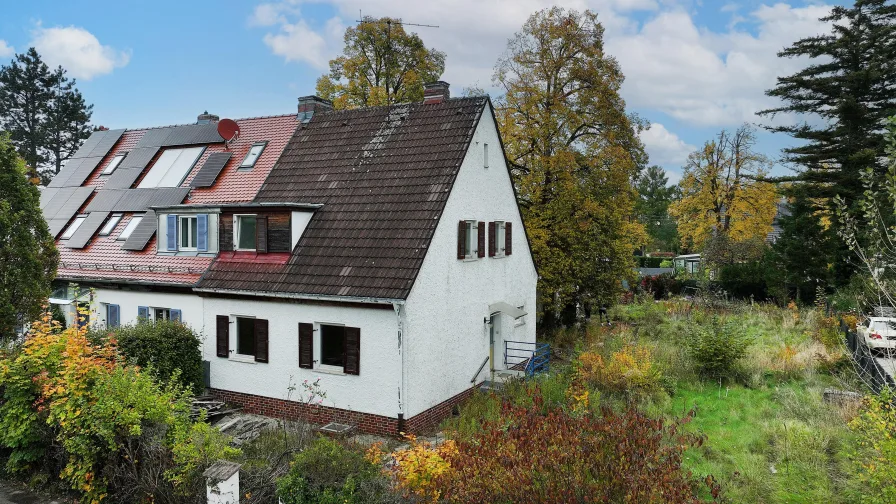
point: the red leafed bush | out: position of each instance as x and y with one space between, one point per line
541 454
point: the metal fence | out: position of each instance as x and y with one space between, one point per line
867 366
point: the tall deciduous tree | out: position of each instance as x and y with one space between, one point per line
43 112
28 256
381 64
574 153
654 197
721 197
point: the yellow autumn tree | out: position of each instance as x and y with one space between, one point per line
573 153
723 197
381 64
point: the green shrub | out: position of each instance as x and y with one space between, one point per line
716 347
745 280
329 472
166 346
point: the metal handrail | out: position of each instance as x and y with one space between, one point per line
535 356
479 370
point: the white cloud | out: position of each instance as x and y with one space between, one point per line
6 49
664 147
711 78
78 51
699 76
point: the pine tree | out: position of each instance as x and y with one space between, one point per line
851 86
43 112
655 196
67 123
28 255
800 254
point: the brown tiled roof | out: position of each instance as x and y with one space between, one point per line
383 175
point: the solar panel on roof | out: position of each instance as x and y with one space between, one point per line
67 202
87 229
139 158
210 170
123 178
154 138
46 196
143 233
56 226
107 141
83 171
89 144
105 200
71 166
193 134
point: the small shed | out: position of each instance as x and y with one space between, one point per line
689 263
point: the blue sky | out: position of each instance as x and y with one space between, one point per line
692 67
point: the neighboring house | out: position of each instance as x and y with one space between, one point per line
688 263
384 253
782 210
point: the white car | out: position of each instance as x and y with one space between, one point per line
879 333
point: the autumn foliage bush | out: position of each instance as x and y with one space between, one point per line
630 370
76 409
543 454
876 449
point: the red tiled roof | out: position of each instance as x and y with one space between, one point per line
383 175
104 259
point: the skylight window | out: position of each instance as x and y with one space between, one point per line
113 164
110 225
253 155
171 168
130 227
74 227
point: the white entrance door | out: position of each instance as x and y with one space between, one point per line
496 350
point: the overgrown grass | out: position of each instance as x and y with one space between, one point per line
769 436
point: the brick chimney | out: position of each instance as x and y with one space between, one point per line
206 118
309 105
435 92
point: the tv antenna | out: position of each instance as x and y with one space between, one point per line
390 21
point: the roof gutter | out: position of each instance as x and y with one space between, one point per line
309 297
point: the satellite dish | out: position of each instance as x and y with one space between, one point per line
228 129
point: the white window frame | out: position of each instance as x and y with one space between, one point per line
485 155
522 320
130 227
236 233
73 227
500 238
110 225
319 348
246 160
116 161
235 339
189 247
471 240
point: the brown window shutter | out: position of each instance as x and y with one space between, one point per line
306 345
462 239
351 362
492 246
481 239
508 239
223 325
261 233
261 340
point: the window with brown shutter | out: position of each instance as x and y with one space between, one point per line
492 245
508 239
306 345
223 335
261 233
261 340
481 240
462 239
352 360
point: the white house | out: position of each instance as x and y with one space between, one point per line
383 253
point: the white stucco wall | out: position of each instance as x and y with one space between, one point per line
445 339
190 305
374 390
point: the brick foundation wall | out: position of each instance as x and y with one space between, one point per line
365 422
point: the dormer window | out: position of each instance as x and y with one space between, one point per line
244 232
189 235
253 155
113 164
